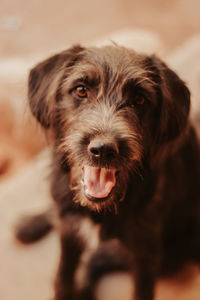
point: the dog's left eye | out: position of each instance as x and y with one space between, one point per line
80 91
139 100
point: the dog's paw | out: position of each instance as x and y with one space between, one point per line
30 229
115 286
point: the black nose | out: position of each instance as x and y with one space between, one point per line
102 150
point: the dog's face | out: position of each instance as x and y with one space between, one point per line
109 108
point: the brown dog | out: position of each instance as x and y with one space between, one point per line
122 135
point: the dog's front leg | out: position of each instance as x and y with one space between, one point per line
144 282
71 247
147 261
79 238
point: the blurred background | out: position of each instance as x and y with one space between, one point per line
31 30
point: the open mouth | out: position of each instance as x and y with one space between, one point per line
97 183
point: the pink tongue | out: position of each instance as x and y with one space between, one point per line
98 182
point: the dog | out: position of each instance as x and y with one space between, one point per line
125 168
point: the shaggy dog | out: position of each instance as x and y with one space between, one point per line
125 171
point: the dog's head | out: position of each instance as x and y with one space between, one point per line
110 109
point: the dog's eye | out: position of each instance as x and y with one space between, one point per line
139 100
80 91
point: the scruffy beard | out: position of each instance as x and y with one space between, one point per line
108 203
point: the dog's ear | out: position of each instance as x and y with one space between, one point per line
174 102
43 84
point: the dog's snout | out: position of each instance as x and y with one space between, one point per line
99 149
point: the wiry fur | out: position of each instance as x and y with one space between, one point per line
149 225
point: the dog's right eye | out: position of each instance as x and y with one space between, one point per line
80 92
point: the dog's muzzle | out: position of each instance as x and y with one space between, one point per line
98 180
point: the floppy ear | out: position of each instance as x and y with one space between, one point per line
43 84
174 102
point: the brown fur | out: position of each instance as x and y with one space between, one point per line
137 108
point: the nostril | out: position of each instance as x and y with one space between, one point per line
95 148
95 151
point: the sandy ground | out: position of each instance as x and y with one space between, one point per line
29 31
